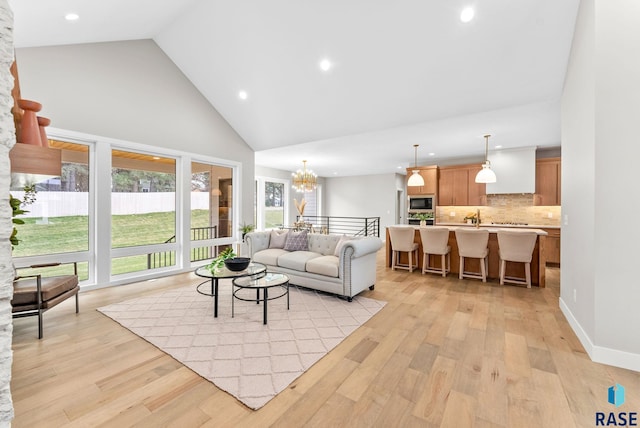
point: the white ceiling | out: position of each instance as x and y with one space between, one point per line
405 72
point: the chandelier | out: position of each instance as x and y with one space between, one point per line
304 180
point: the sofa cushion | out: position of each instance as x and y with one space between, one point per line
278 238
269 256
325 265
297 241
297 260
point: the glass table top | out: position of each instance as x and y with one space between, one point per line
223 272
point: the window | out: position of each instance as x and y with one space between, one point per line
312 206
211 207
272 203
58 219
120 217
143 208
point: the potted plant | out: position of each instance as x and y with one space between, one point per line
470 218
246 228
218 262
423 217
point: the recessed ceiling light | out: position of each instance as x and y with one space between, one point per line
432 154
325 65
467 14
243 95
498 147
71 16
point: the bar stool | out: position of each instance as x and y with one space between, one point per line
516 246
402 241
434 241
472 243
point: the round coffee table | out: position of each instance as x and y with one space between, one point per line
252 270
264 282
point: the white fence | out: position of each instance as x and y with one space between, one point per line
62 204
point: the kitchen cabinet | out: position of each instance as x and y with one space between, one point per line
552 247
548 182
457 186
430 176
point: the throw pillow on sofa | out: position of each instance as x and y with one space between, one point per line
278 238
297 241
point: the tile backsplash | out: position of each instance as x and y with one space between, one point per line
506 208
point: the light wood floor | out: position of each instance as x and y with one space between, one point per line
443 352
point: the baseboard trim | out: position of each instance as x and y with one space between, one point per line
600 354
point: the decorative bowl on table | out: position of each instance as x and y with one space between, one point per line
237 264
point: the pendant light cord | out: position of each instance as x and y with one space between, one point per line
486 148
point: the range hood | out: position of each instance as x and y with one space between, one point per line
515 171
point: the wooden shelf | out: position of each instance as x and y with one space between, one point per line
35 160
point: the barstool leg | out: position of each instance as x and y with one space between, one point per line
483 270
461 267
410 261
527 272
444 266
503 266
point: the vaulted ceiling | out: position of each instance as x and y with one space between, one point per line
401 73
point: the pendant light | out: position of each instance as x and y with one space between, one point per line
486 174
416 179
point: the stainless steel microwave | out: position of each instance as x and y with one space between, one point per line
422 203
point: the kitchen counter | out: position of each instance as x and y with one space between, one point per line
513 269
492 225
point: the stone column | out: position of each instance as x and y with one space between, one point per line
7 140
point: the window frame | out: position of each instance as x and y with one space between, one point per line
260 196
100 254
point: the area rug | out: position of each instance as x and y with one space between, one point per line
240 355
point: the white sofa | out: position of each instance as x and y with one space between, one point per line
345 272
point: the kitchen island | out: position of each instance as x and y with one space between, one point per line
513 269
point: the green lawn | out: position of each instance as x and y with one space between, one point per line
68 234
273 217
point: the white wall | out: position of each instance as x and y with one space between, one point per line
601 106
617 153
362 196
578 149
130 91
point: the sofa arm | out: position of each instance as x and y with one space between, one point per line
257 241
363 246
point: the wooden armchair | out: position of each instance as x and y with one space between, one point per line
35 294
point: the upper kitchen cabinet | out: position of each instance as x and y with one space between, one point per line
457 186
430 176
548 176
